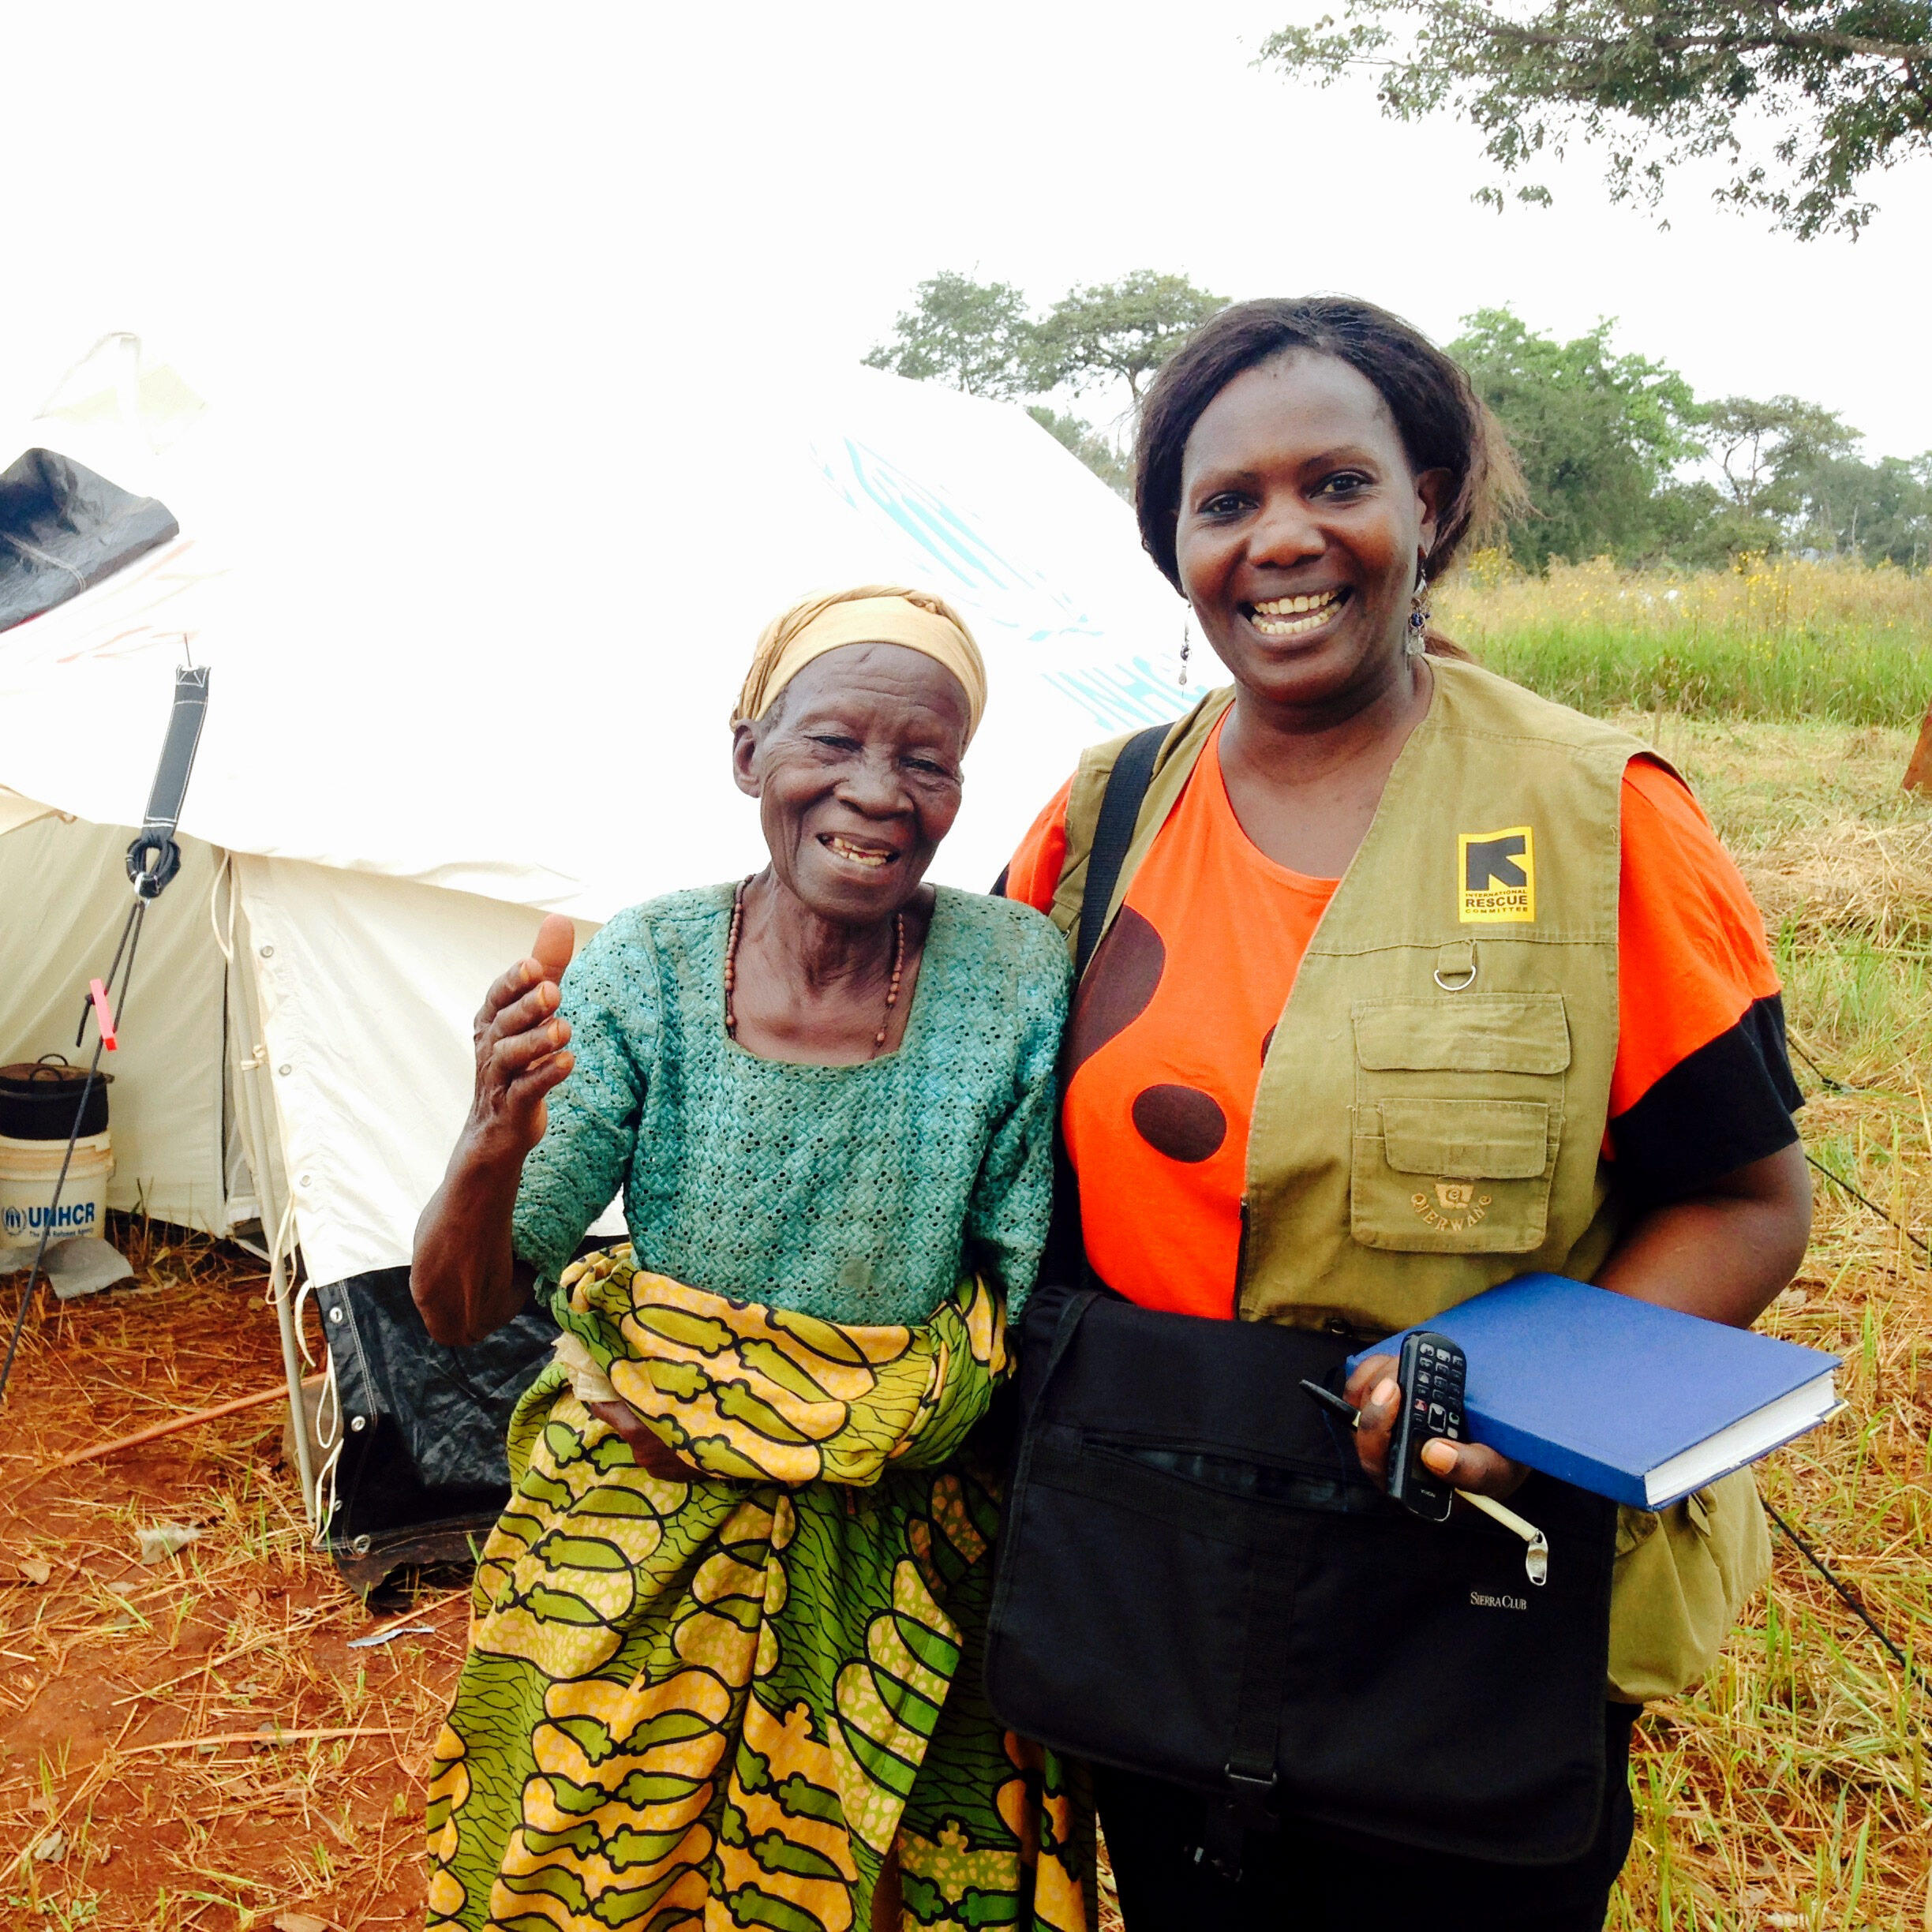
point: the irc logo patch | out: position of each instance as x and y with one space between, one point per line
1495 877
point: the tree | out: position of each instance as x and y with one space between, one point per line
1598 436
973 335
1765 449
1118 331
1792 475
1880 512
977 336
1086 443
1693 526
1846 84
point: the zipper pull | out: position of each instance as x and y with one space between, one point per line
1536 1545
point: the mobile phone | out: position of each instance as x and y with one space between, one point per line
1430 1375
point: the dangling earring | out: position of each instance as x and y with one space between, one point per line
1419 607
1186 637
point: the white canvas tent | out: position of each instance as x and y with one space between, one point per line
473 643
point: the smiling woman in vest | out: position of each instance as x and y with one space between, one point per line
1376 900
723 1663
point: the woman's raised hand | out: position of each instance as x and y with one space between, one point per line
465 1276
1373 1389
520 1048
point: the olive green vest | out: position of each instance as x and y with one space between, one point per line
1430 1117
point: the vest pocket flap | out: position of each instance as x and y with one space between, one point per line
1469 1034
1470 1140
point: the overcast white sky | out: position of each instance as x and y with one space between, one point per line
594 194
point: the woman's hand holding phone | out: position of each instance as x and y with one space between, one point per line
1377 1396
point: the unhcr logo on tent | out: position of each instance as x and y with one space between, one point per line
952 548
949 546
1123 697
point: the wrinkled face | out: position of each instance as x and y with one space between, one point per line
856 772
1301 528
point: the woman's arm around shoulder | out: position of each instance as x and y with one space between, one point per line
1032 875
1012 1201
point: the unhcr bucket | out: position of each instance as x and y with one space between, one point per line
39 1101
29 1169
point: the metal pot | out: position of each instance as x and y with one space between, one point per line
37 1099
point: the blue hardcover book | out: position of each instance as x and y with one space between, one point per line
1626 1399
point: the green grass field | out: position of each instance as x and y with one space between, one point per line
1789 641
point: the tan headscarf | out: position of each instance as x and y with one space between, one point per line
869 614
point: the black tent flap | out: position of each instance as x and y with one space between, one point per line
62 529
423 1474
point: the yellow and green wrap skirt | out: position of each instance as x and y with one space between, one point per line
753 1700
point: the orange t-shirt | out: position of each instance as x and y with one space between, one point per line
1165 1042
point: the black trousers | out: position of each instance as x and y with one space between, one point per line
1304 1879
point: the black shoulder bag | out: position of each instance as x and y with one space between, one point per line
1196 1582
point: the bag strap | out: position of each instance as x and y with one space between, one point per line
1251 1767
1120 808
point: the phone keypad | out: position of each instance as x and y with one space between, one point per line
1437 1399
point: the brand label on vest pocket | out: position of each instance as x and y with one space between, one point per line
1457 1205
1495 877
1432 1176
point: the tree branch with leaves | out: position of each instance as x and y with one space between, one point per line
1767 450
973 335
1121 331
1804 99
979 337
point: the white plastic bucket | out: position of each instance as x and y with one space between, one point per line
29 1169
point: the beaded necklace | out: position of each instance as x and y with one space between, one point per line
731 970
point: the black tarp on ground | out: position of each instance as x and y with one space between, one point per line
62 529
423 1471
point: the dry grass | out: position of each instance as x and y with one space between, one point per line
244 1631
1790 1790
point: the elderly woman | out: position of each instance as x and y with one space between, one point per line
723 1664
1411 982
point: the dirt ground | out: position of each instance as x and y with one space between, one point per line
136 1788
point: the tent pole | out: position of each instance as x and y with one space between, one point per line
281 1285
253 1123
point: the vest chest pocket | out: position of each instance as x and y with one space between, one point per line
1457 1116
